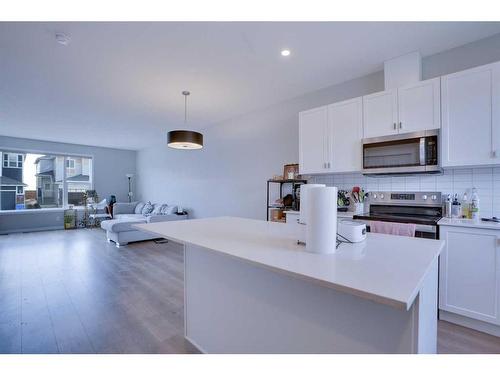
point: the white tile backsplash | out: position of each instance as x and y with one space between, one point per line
485 180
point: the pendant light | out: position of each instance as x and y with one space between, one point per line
185 139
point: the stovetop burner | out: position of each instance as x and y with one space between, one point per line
404 207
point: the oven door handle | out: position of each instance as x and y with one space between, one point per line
418 227
422 151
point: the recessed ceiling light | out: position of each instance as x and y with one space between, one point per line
63 38
285 52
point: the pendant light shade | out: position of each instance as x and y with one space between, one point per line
185 139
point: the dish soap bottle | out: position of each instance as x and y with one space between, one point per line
465 207
448 206
456 209
474 206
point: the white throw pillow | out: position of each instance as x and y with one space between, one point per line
138 208
157 209
169 210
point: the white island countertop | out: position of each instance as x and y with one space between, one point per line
383 268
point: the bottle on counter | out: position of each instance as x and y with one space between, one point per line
465 207
447 207
456 208
474 205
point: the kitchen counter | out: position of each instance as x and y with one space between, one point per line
243 273
468 223
387 269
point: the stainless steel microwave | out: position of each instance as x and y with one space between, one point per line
408 153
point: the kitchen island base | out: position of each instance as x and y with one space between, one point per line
236 306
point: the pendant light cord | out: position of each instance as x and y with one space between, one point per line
185 108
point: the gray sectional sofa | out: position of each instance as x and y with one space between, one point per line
120 230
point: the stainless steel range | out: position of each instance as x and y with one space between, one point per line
424 209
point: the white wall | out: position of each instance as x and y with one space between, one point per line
228 177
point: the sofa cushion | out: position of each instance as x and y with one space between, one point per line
130 217
124 208
139 207
147 209
121 225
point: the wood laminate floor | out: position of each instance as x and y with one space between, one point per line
72 292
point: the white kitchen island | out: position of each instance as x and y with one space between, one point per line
250 288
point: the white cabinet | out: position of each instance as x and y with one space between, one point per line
469 273
408 109
330 138
419 106
345 130
313 145
380 114
471 117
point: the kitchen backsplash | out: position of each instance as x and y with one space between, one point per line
486 180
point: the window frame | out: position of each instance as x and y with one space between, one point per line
63 185
12 157
22 190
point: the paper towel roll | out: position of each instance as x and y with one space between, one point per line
303 200
321 236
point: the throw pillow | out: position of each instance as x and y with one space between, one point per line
147 209
157 209
138 208
169 210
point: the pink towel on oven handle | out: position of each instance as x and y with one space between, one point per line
397 229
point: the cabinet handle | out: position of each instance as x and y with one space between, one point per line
493 154
324 165
328 165
400 125
395 126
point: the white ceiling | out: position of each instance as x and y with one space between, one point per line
119 84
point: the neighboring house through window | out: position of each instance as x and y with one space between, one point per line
11 181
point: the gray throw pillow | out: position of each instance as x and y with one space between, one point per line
147 209
138 208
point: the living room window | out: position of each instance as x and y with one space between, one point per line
38 181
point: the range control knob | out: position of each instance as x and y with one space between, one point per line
381 196
424 197
434 197
374 196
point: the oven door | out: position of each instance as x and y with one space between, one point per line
421 231
401 153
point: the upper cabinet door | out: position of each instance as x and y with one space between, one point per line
419 106
380 114
469 120
495 116
312 140
345 120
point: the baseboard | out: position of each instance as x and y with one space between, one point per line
465 321
29 230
